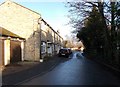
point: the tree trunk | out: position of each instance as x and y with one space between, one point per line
113 45
107 37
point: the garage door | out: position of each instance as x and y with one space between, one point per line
15 51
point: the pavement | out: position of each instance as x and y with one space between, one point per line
108 67
17 67
15 74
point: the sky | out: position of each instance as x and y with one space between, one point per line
54 13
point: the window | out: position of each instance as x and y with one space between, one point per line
44 27
43 47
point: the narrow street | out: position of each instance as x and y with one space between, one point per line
75 70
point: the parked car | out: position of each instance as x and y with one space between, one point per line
64 52
70 51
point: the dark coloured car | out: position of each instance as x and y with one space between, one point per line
70 51
64 52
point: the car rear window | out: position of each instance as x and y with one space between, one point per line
63 50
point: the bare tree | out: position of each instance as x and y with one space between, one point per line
109 18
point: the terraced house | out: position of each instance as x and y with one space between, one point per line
27 32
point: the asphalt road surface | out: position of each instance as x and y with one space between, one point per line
75 70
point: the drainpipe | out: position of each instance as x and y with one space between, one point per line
22 48
39 22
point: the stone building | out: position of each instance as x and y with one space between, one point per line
24 23
50 40
38 37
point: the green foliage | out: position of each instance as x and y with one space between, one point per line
92 34
98 26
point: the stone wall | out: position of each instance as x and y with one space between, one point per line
24 23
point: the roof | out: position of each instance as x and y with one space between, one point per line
6 33
50 27
20 6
